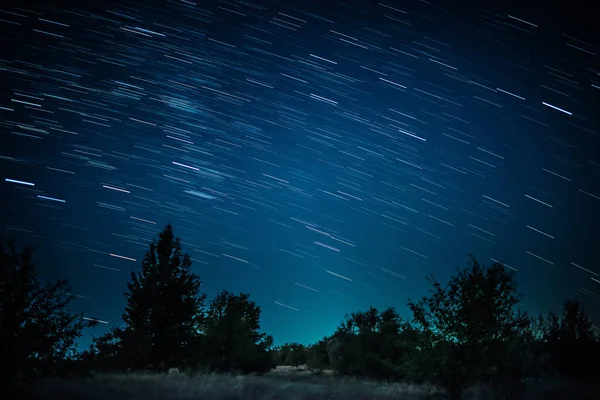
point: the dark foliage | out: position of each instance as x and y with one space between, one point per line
373 344
291 354
167 326
163 316
317 355
232 338
164 305
38 333
475 332
464 333
571 342
106 352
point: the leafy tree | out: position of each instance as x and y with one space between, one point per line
373 344
535 356
277 355
472 326
38 333
296 354
106 351
571 343
233 341
353 344
164 312
317 356
292 354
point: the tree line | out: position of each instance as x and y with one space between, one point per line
467 331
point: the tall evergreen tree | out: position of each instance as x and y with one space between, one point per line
38 333
164 312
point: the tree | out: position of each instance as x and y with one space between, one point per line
571 343
38 333
106 351
372 344
295 354
233 341
472 325
292 354
317 356
164 312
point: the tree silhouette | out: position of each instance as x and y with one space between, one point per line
294 354
472 326
38 334
466 332
317 356
164 312
291 354
573 346
106 352
233 342
372 344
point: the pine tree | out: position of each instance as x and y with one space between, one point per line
164 312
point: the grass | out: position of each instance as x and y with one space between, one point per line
280 384
139 386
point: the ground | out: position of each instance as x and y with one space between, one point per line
282 383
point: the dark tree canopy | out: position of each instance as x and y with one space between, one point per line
468 331
233 341
478 304
164 310
473 328
570 339
292 354
38 334
106 352
372 344
166 324
317 356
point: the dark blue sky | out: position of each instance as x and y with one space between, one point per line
321 156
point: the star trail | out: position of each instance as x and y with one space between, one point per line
321 156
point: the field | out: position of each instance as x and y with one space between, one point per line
283 383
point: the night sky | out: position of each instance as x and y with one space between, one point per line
323 156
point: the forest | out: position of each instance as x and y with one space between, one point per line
466 333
